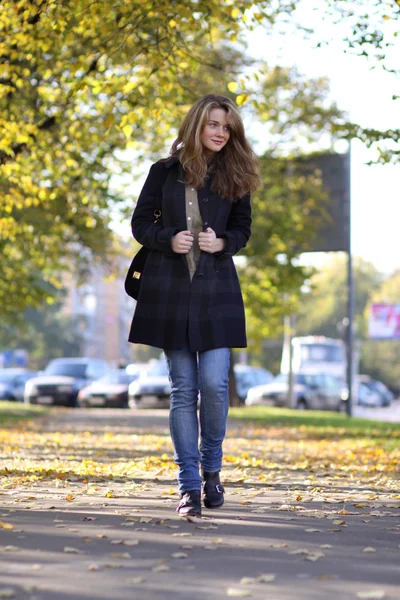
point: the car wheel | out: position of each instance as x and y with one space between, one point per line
302 404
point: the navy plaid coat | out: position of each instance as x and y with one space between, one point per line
171 310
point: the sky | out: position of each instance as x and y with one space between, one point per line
366 96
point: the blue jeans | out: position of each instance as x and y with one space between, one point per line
189 373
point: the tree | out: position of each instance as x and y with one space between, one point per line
81 82
324 306
44 334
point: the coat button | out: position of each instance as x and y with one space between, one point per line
200 275
204 200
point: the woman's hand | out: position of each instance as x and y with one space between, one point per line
208 241
182 242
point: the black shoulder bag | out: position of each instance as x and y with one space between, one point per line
134 275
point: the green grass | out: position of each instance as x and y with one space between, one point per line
313 420
13 412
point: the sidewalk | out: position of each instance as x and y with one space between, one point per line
115 539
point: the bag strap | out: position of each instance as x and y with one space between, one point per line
157 202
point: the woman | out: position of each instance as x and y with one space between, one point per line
190 303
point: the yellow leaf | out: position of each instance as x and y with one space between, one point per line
237 593
235 13
369 549
266 578
4 525
127 129
232 86
241 99
70 497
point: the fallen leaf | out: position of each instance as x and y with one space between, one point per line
4 525
131 542
135 580
310 530
313 556
369 549
266 578
160 569
145 520
237 593
113 566
70 550
326 546
93 567
70 497
339 522
247 580
120 555
89 519
179 555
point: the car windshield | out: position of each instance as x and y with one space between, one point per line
68 369
302 378
117 377
321 353
7 377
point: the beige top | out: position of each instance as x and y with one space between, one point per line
195 225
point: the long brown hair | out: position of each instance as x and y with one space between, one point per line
235 168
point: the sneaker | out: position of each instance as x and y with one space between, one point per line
190 504
213 491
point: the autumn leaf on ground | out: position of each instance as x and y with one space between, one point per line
4 525
237 593
70 497
69 550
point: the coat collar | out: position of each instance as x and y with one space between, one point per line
171 160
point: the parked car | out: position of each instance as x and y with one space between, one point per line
109 391
12 383
62 380
248 376
368 397
377 387
152 389
321 391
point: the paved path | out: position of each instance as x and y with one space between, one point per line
126 541
388 413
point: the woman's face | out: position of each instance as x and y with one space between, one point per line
216 132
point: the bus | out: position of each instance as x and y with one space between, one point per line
315 354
